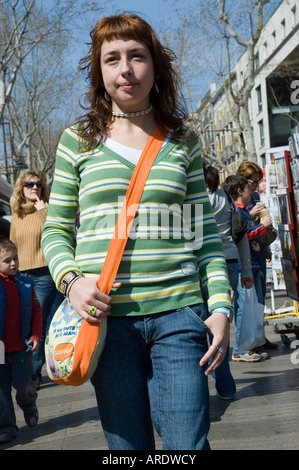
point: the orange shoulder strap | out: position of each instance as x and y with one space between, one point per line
125 219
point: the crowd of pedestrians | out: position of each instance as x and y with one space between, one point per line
246 261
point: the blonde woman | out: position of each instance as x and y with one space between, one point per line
29 204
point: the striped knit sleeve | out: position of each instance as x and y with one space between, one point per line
255 232
207 241
58 233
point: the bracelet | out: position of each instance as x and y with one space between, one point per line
67 280
70 285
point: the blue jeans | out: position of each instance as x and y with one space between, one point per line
263 275
17 371
49 299
149 374
239 302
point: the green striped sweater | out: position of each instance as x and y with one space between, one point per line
174 239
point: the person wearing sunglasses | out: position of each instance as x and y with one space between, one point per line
29 204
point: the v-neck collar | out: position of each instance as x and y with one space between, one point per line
164 151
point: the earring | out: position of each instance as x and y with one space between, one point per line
106 96
157 88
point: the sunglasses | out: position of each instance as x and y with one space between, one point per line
253 182
31 184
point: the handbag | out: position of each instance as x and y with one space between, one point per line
268 238
238 224
252 332
73 345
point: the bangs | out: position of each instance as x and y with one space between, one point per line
122 27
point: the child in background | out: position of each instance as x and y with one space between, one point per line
238 187
20 331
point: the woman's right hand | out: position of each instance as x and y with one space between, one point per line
39 204
256 210
84 294
266 221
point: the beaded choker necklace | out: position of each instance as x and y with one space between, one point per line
138 113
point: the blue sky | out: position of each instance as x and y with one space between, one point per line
152 11
155 12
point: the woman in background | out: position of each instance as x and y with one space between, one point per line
29 204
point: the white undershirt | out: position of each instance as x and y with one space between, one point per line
129 153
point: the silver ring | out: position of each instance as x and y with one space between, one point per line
214 346
220 350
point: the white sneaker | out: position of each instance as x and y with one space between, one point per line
264 355
247 357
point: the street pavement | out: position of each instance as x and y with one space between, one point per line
264 414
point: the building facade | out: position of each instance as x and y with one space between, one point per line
274 99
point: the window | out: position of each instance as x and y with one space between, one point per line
217 144
222 140
283 28
266 49
274 39
294 15
259 99
262 133
257 61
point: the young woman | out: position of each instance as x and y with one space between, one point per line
29 203
155 363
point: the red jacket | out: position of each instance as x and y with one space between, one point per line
12 336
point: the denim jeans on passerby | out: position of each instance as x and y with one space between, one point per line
263 274
49 299
148 374
17 371
239 302
224 381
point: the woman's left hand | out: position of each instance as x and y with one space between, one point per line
218 326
